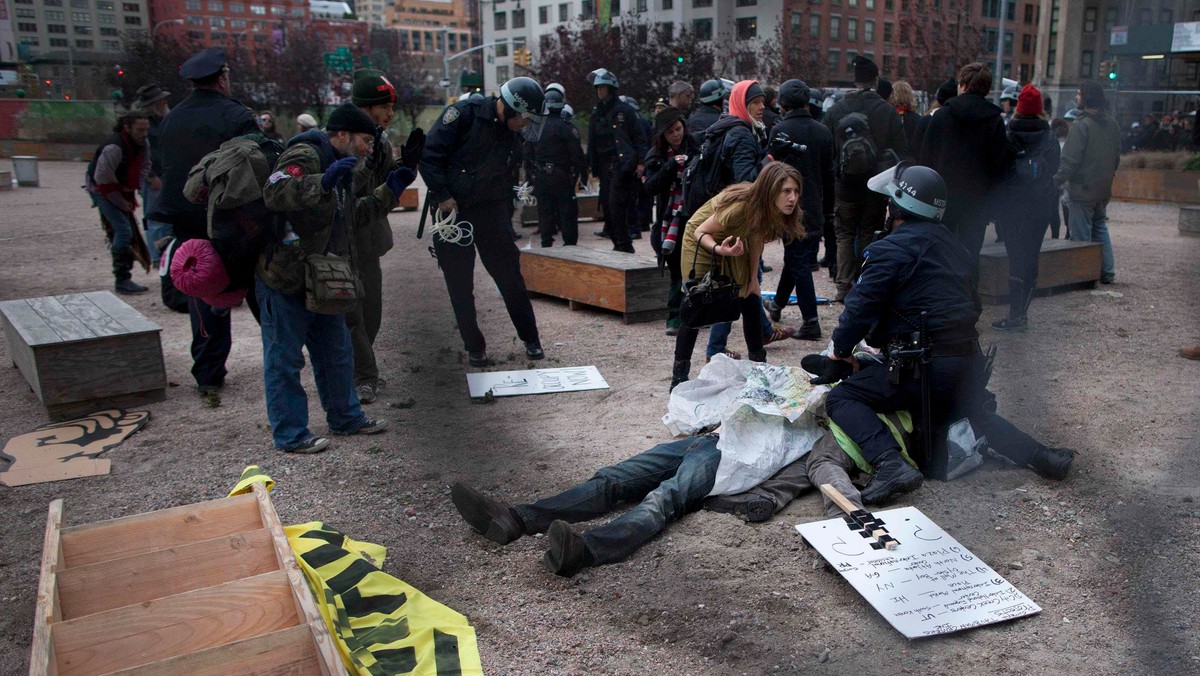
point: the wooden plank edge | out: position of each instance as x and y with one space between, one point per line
306 605
123 521
239 657
837 498
41 660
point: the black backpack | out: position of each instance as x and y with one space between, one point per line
703 177
857 153
1028 167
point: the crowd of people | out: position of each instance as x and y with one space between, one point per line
900 201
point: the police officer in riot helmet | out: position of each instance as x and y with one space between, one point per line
917 290
1008 101
617 143
470 165
712 94
556 162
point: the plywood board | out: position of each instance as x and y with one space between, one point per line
68 450
930 584
287 652
42 661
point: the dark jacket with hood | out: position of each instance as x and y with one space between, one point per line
1090 157
966 144
815 166
741 152
1031 139
887 132
704 117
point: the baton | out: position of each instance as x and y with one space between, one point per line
424 214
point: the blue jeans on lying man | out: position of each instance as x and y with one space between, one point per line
669 480
287 328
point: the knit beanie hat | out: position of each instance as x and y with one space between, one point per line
793 94
1029 101
947 91
865 69
371 88
351 118
884 88
666 119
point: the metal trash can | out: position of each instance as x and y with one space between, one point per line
25 167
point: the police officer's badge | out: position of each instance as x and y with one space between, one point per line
451 115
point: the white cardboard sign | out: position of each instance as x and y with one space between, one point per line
928 585
536 381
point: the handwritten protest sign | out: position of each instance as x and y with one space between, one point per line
537 381
928 585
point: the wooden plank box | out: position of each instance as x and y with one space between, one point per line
210 588
1062 265
84 352
613 280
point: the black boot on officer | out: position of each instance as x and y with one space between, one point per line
122 260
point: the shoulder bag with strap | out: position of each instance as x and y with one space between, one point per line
713 299
330 285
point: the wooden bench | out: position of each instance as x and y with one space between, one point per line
84 352
204 589
1062 265
1189 221
589 209
6 180
613 280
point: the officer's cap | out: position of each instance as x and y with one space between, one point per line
204 64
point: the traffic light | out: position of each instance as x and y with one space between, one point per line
119 71
1112 70
522 56
679 57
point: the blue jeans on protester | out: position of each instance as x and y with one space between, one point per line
121 222
155 230
1088 222
669 480
287 328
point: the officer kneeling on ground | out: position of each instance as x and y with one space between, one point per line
921 267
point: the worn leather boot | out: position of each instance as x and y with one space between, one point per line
680 372
568 553
490 518
893 476
1052 463
122 265
759 356
809 330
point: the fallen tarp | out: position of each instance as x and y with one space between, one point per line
69 449
382 625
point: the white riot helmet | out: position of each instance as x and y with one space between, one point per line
917 191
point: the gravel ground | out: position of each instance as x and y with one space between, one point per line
1111 554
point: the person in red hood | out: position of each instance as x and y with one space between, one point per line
114 176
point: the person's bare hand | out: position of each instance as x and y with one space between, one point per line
448 206
681 159
640 171
732 246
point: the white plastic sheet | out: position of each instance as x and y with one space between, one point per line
768 417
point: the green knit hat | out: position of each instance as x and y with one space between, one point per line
371 88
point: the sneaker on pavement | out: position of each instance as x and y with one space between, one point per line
308 446
780 333
366 393
371 426
1011 324
490 518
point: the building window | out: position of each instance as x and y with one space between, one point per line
501 21
887 63
54 15
81 17
216 6
902 66
131 7
85 44
195 21
237 8
1008 44
747 29
502 73
1026 43
1028 13
564 12
852 3
887 32
56 28
833 61
111 45
133 21
109 32
543 15
701 3
588 8
109 19
27 27
1087 65
518 17
237 23
746 3
850 56
26 13
216 21
747 64
814 26
702 28
58 42
852 29
640 6
668 4
1089 20
870 4
80 4
83 30
835 28
888 5
869 31
1110 20
105 5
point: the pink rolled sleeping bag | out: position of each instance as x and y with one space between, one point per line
197 270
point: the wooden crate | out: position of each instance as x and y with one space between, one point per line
210 588
1062 265
84 352
614 280
589 210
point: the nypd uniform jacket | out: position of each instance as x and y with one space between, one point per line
558 146
921 266
615 129
471 155
193 129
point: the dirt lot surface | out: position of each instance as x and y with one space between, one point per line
1111 554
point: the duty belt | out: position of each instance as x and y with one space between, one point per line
547 167
958 348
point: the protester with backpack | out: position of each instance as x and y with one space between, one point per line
966 145
307 281
665 163
868 136
1031 202
114 176
727 235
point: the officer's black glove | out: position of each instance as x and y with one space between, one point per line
827 371
782 147
410 152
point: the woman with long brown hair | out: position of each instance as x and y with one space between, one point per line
729 232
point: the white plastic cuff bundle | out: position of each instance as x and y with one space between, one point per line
450 230
525 195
